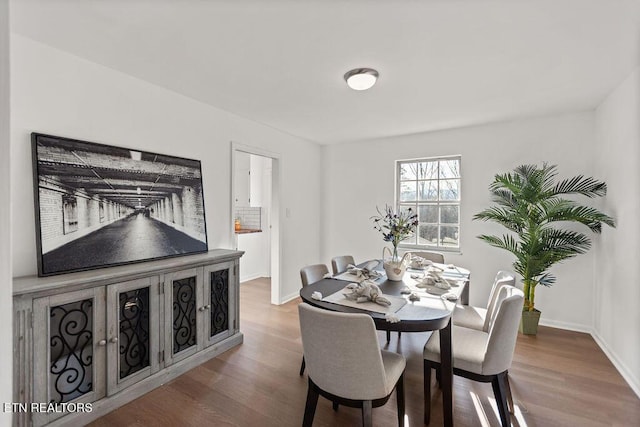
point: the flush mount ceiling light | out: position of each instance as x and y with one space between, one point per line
361 78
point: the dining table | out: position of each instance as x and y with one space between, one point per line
418 305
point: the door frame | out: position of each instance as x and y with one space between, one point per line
275 236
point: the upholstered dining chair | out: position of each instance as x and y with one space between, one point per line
310 274
478 317
340 263
431 256
345 364
483 356
313 273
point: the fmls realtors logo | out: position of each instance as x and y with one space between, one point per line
47 407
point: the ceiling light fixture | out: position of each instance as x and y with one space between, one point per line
361 78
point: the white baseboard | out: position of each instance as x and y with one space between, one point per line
289 297
576 327
633 382
252 277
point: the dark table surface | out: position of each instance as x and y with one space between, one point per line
428 314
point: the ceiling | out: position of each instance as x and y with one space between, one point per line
442 63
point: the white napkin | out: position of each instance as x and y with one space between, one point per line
362 273
366 291
419 262
391 318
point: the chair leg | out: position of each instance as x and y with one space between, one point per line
400 400
499 389
427 392
335 406
302 367
388 336
512 409
366 413
310 406
399 334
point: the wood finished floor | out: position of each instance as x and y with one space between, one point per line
558 378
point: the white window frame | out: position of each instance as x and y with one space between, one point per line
438 246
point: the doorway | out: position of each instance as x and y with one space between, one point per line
255 213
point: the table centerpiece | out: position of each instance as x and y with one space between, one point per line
395 227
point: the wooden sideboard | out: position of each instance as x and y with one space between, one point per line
99 339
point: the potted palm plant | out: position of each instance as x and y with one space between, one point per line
532 206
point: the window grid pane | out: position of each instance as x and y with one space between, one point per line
431 187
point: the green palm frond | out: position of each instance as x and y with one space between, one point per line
508 181
547 279
503 216
504 198
588 187
586 215
505 242
529 203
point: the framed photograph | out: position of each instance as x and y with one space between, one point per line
98 205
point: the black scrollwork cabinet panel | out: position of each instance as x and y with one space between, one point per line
219 300
183 311
133 333
70 332
201 306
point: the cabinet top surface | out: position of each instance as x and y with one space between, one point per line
91 278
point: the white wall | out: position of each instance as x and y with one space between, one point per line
359 176
617 294
6 332
60 94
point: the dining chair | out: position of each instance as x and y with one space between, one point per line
340 263
483 356
477 317
345 364
311 274
430 255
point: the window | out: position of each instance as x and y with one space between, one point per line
431 188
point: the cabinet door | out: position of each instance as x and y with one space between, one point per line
182 307
133 332
219 297
69 349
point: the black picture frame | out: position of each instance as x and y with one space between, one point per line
100 205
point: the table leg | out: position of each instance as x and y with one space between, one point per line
446 375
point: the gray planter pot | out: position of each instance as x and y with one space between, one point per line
529 322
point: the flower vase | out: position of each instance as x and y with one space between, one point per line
394 266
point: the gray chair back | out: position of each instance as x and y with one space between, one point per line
431 256
342 353
502 278
313 273
503 331
340 263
